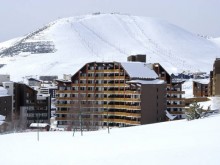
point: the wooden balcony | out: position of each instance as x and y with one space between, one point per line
127 107
175 92
176 106
104 71
121 99
64 91
124 114
77 112
109 85
130 122
63 119
63 105
123 121
177 112
64 98
103 78
126 92
175 99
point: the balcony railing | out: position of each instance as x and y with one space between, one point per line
123 121
64 91
127 107
104 71
175 105
103 78
175 92
175 99
122 114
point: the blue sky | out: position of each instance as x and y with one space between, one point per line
19 17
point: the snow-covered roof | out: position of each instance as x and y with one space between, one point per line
34 79
147 81
139 70
40 125
2 117
170 116
3 92
202 81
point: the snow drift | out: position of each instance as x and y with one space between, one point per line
177 142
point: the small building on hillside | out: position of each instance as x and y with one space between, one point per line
34 82
49 79
201 88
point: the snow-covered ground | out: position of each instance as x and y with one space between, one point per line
214 103
112 37
178 142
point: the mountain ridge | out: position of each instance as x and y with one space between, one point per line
71 42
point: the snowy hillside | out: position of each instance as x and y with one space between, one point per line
169 143
63 46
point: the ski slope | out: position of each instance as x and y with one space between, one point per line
178 142
110 37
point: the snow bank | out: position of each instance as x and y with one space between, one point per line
177 142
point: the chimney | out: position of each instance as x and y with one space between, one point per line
137 58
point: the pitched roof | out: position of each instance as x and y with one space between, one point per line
139 70
147 81
202 81
3 92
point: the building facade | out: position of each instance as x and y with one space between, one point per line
216 78
5 104
201 88
111 93
175 101
27 105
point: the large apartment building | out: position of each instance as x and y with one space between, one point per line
111 93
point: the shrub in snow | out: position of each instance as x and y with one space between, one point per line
195 111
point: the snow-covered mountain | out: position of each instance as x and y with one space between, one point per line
63 46
179 142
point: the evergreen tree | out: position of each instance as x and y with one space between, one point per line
195 111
